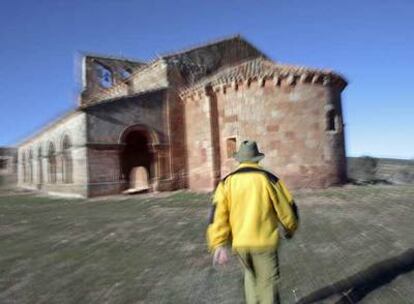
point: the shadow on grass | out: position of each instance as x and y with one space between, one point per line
356 287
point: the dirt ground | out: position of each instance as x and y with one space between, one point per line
355 245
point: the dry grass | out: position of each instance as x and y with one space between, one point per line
151 249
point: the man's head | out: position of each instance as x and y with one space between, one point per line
248 152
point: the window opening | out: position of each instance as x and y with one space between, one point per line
104 76
231 145
3 164
331 120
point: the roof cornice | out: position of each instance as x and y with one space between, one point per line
263 70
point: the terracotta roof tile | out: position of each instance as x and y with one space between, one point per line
260 68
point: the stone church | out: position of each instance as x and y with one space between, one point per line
176 121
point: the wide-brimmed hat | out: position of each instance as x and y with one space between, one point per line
248 151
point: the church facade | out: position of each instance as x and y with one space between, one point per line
180 118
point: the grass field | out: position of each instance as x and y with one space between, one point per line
355 245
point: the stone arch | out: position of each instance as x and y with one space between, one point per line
139 150
152 135
67 162
51 161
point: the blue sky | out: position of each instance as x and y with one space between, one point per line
370 42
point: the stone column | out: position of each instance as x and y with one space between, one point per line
162 178
59 168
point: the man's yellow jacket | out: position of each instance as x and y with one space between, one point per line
248 206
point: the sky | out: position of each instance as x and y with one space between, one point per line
370 42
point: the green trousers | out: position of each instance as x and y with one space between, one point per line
261 276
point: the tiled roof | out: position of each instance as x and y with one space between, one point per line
201 45
259 68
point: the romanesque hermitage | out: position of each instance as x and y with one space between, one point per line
175 123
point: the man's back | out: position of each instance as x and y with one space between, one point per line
252 201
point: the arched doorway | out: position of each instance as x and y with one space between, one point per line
138 155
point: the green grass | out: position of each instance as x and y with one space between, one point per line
151 249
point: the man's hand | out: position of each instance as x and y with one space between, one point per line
221 256
286 234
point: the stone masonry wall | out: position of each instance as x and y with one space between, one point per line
104 171
152 77
93 90
106 124
107 121
199 144
177 137
73 126
289 122
8 168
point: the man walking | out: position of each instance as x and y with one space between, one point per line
248 205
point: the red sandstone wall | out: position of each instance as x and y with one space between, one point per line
199 144
287 120
289 123
177 133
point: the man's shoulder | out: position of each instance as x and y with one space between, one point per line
244 170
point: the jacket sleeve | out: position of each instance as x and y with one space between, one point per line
218 231
288 196
284 206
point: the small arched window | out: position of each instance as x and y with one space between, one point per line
231 146
51 158
67 161
331 119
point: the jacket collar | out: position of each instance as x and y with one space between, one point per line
249 164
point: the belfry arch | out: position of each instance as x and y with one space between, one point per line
139 158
